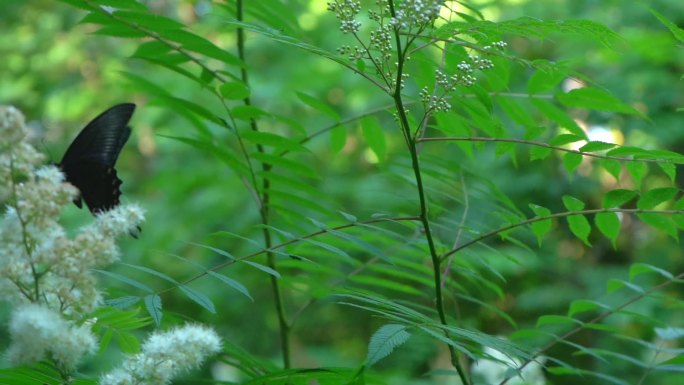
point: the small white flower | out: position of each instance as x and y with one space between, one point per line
38 332
164 355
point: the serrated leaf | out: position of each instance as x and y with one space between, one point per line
198 298
656 196
375 136
609 225
384 341
597 146
123 302
153 305
234 90
580 227
617 198
573 204
571 160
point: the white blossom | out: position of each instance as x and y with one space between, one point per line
38 332
164 355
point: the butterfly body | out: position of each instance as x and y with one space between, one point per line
89 161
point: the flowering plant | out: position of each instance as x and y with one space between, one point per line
49 278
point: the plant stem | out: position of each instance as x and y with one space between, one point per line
411 144
264 210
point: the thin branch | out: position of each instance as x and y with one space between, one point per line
539 144
556 215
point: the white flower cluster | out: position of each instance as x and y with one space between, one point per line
47 275
38 333
39 263
165 355
416 13
346 11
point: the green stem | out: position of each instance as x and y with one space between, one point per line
264 210
411 144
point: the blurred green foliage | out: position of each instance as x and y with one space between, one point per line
61 74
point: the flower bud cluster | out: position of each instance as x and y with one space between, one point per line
462 76
416 13
346 11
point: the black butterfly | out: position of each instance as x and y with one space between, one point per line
89 161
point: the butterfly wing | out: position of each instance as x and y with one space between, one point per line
89 161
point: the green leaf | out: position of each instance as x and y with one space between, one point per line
556 320
612 166
669 169
318 105
582 306
643 268
571 160
540 228
248 112
676 31
128 342
563 139
609 225
338 139
375 136
384 341
660 222
579 226
198 44
537 152
232 283
573 204
656 196
546 79
234 90
597 146
153 304
148 21
594 99
516 112
198 298
559 116
127 280
617 198
637 170
278 142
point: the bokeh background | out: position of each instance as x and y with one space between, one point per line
61 74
